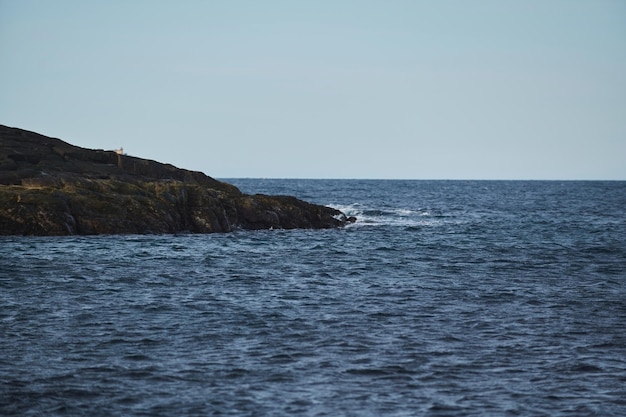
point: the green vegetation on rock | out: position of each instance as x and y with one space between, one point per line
49 187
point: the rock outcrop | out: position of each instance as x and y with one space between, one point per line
49 187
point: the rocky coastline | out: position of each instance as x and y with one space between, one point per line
49 188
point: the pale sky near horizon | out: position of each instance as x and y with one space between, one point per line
484 89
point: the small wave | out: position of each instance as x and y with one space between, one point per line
400 217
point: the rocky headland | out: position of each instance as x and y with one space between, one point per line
49 187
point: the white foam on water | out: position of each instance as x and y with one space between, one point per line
400 217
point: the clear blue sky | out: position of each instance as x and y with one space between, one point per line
532 89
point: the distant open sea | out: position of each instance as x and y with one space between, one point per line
445 298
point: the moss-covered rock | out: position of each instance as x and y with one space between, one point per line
49 187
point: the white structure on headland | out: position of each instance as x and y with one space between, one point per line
120 151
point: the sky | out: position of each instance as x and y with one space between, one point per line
483 89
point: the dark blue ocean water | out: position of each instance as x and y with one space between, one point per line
446 298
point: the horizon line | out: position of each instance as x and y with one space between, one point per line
420 179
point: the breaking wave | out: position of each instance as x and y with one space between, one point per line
368 216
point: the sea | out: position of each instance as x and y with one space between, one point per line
445 298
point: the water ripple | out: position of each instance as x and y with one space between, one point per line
491 309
